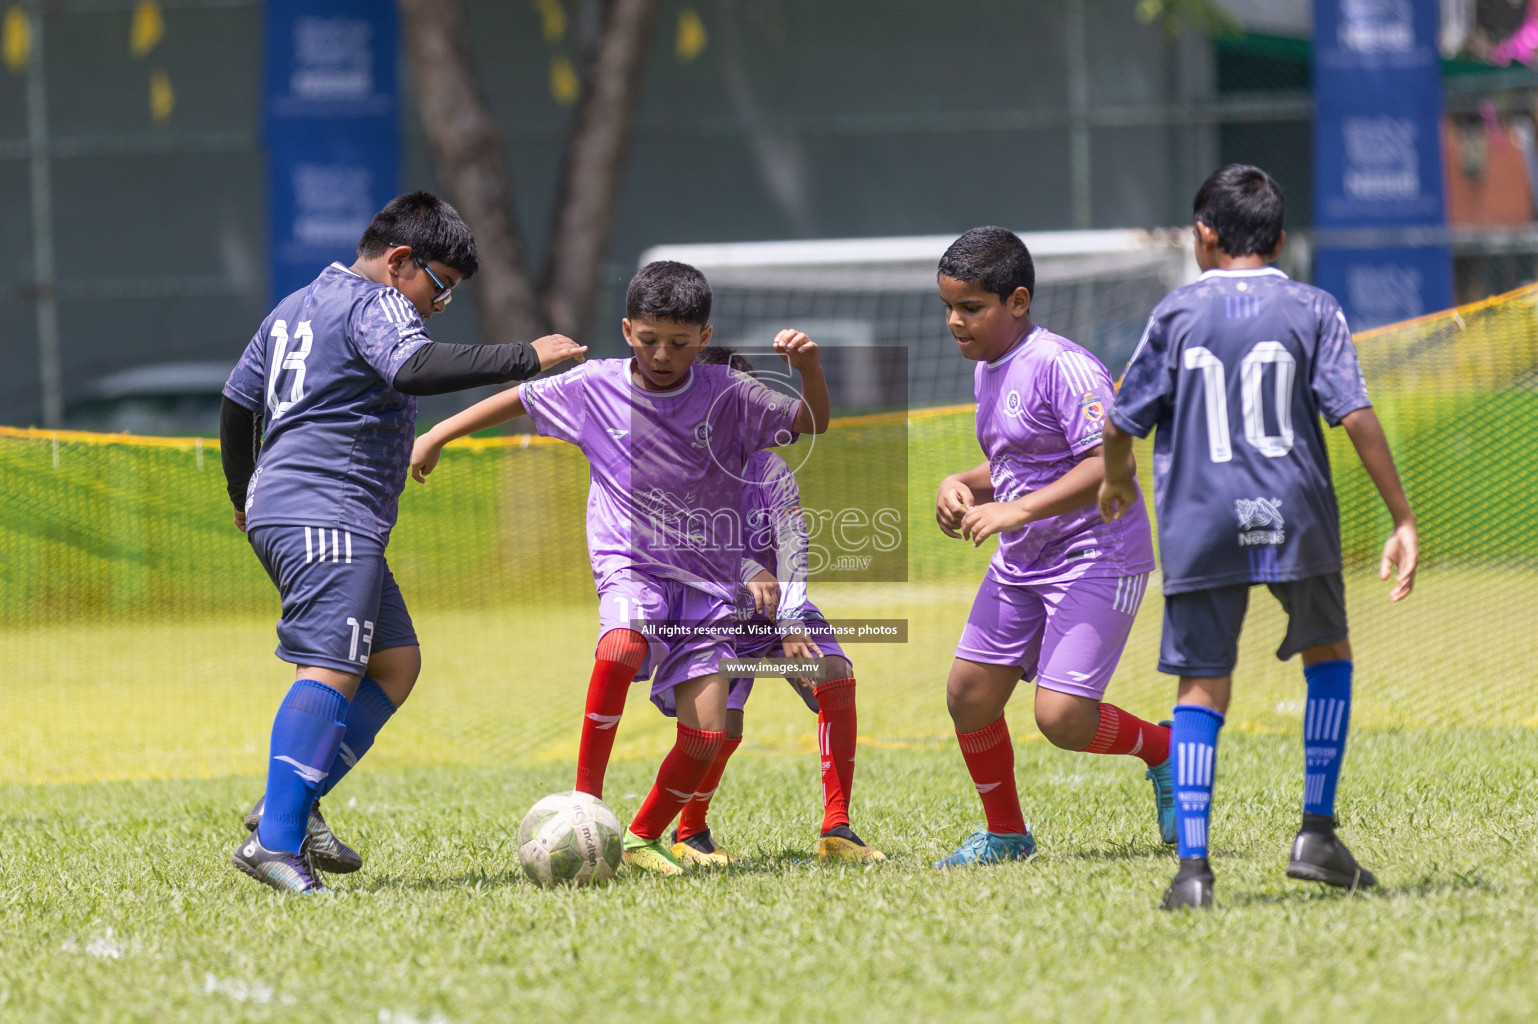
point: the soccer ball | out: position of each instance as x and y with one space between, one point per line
569 839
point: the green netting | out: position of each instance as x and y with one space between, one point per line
138 626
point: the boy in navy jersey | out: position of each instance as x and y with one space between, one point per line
1234 371
316 432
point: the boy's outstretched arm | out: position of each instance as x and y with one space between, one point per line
1403 546
499 408
801 352
1118 490
442 367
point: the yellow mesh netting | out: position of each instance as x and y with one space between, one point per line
138 627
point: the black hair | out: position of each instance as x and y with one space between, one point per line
992 258
1244 205
432 228
665 290
721 355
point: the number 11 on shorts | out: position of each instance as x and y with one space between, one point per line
366 635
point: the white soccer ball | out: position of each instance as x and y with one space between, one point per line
569 839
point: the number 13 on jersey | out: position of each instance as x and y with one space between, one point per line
285 360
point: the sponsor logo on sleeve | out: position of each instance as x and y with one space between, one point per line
1092 406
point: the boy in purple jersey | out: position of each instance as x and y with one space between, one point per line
315 432
1235 371
775 619
667 442
1063 587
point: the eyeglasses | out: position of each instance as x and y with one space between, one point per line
445 293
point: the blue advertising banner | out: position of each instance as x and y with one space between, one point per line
1378 178
330 117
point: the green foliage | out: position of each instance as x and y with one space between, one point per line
1178 15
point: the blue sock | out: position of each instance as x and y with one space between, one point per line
305 734
369 711
1325 723
1194 741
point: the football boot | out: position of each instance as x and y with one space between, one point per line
1318 855
1192 887
701 849
1164 796
650 855
329 852
984 847
840 843
285 872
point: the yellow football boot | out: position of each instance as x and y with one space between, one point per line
650 855
700 849
841 844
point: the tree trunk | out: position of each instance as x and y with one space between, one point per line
593 169
470 161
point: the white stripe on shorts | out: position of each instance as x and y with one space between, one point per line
307 551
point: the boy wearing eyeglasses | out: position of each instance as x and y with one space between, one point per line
316 430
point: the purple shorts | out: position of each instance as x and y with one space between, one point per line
1067 636
771 647
629 596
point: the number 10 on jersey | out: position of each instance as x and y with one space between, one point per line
1251 390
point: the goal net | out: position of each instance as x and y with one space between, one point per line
869 300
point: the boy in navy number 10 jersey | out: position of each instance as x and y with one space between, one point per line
316 432
1234 371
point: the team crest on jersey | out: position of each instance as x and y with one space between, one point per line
1012 403
701 434
1260 521
1092 406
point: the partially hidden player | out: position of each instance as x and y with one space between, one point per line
1063 588
1234 372
316 431
667 441
775 619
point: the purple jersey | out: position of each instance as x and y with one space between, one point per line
1234 371
776 536
1040 407
336 435
666 466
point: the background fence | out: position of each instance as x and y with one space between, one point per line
137 624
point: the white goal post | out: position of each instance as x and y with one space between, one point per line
874 301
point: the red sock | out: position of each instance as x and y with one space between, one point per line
1121 733
990 757
692 821
682 771
620 653
836 727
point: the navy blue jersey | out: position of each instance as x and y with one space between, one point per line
1235 371
337 436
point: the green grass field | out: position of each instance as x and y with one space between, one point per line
117 902
137 630
136 747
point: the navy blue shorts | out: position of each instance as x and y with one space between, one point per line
1201 628
340 602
